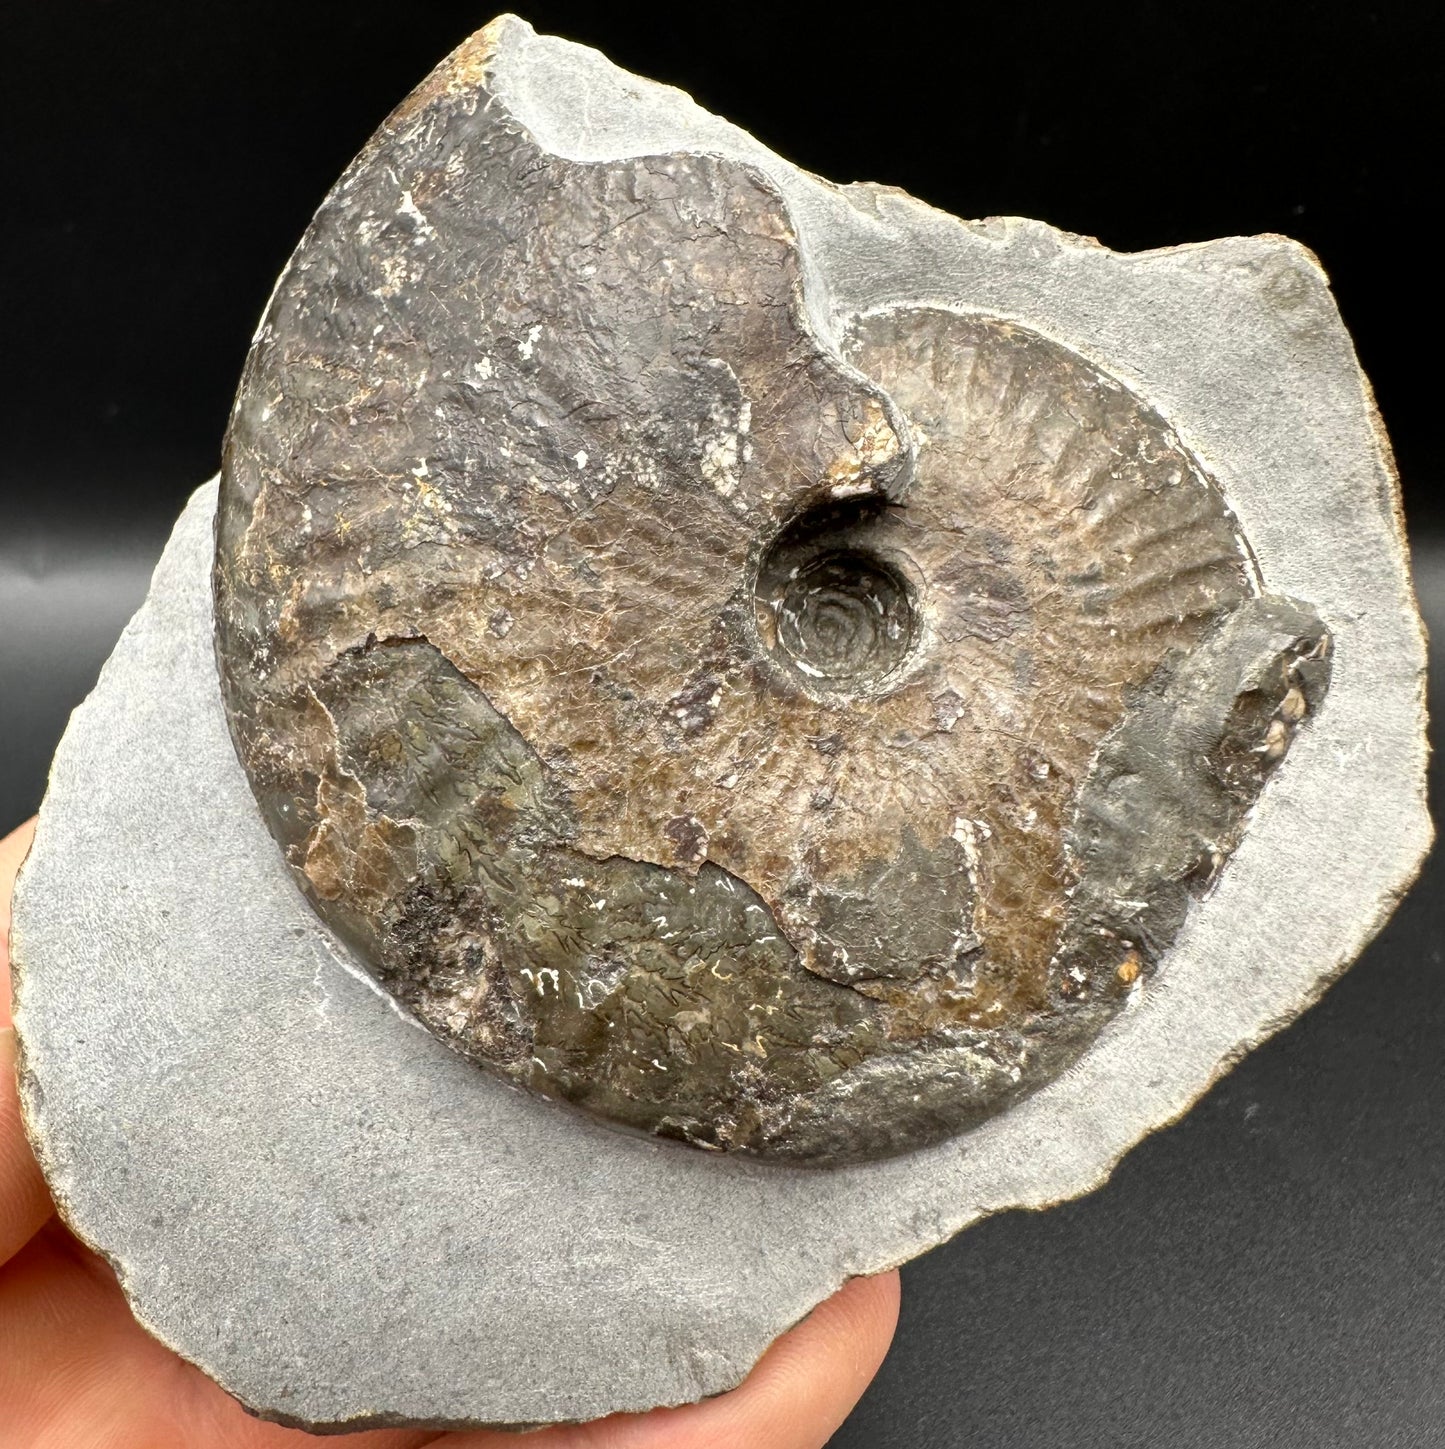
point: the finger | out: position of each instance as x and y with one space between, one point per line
812 1378
24 1201
803 1387
12 851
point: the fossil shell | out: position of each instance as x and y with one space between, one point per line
790 738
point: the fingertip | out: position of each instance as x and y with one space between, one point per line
798 1394
867 1305
841 1344
24 1200
877 1301
13 850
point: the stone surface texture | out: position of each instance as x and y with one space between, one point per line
344 1221
746 729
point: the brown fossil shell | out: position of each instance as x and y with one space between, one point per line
784 747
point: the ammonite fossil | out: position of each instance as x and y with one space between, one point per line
789 732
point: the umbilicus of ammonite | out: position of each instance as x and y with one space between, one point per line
789 748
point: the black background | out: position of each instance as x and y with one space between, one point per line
1272 1270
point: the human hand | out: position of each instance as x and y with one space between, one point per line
78 1372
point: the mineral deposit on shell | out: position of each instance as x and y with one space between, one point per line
790 746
